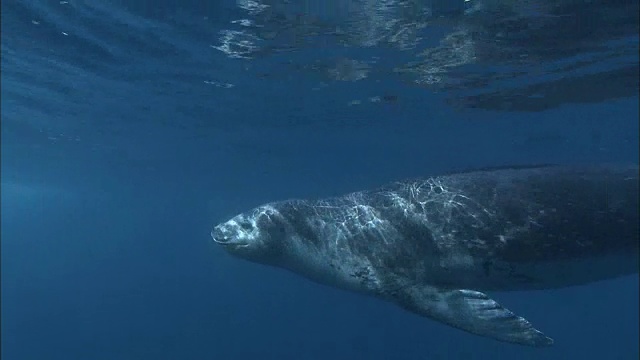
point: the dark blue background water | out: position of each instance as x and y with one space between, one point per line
129 128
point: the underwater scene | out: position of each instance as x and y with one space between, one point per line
319 180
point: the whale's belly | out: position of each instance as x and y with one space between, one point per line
504 276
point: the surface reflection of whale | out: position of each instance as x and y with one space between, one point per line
434 246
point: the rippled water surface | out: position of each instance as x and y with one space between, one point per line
129 127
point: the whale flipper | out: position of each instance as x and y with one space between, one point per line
471 311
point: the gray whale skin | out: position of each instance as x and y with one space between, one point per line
434 246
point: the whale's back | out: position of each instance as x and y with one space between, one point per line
549 226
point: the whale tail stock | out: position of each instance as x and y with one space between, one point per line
471 311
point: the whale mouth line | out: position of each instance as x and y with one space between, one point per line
228 243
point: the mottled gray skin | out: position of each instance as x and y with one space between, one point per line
443 240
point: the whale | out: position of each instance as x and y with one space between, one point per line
437 246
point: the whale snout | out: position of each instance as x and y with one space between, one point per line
221 235
235 233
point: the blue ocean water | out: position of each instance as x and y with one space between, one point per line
129 128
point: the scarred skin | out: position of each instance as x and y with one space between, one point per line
425 241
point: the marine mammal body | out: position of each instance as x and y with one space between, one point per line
434 246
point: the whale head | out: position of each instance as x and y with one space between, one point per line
257 235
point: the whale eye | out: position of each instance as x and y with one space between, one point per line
277 230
